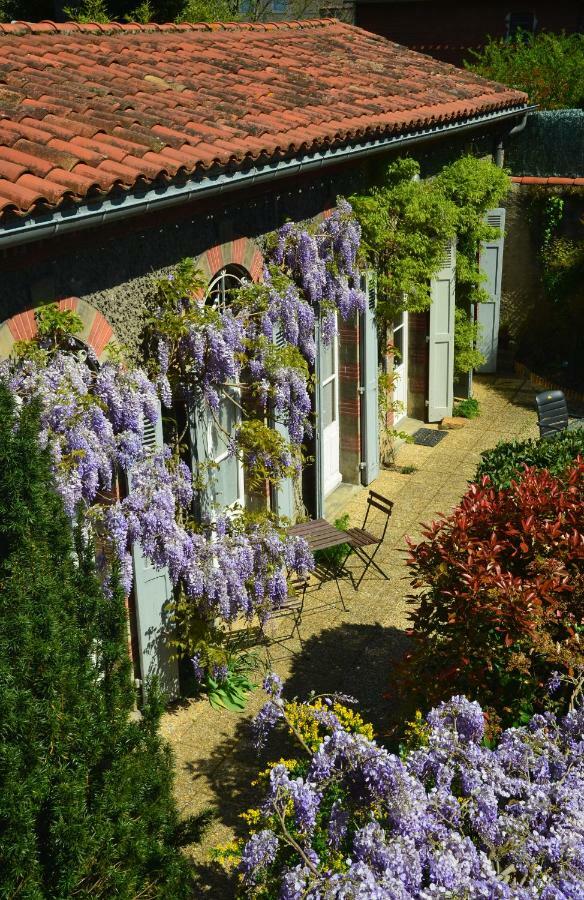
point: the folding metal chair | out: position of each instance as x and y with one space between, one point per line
552 412
360 538
292 608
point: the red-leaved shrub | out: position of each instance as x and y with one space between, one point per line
501 593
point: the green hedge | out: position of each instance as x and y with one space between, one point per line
552 144
506 460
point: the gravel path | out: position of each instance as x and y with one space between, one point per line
354 651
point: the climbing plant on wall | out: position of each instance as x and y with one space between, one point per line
93 420
406 223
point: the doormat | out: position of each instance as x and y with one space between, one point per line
428 437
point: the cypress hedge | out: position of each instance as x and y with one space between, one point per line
86 807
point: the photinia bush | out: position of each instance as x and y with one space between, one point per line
454 818
500 592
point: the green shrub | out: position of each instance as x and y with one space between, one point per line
86 805
506 461
549 67
468 409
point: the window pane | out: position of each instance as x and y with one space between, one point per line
328 403
327 361
398 343
228 420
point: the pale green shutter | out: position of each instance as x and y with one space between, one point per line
488 314
441 338
152 592
369 382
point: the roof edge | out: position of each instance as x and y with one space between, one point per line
132 203
49 27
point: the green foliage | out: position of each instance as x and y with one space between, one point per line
334 556
85 794
563 269
266 455
473 186
548 67
405 225
467 409
499 594
209 11
89 11
143 13
506 462
466 332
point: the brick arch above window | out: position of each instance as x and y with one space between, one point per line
96 332
239 252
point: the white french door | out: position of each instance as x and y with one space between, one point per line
329 413
400 389
227 475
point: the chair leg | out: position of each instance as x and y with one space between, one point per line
369 561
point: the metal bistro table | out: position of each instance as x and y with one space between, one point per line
321 535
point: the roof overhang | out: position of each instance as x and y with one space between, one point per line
106 210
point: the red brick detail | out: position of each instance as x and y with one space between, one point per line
23 326
100 334
70 303
215 258
238 251
257 266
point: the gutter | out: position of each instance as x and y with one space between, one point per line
108 210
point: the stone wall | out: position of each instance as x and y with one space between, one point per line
522 292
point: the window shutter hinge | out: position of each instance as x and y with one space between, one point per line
362 466
360 390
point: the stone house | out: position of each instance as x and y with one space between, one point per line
125 148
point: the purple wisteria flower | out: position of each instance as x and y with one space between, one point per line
454 819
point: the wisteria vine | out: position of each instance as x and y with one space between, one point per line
454 818
255 352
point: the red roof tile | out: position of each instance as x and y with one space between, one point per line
88 107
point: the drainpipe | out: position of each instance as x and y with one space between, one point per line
499 151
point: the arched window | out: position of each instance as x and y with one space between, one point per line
227 475
221 285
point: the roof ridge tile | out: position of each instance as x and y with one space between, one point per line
47 26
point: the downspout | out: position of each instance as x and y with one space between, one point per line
98 212
499 152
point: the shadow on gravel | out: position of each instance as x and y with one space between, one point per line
351 659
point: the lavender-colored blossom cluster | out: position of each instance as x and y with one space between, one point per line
323 264
93 424
454 819
91 421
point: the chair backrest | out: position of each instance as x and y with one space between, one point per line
552 412
381 504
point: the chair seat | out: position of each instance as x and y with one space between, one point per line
361 538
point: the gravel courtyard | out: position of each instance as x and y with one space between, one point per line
352 651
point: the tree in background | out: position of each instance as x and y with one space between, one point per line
86 806
549 67
154 10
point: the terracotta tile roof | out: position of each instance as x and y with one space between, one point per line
86 109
